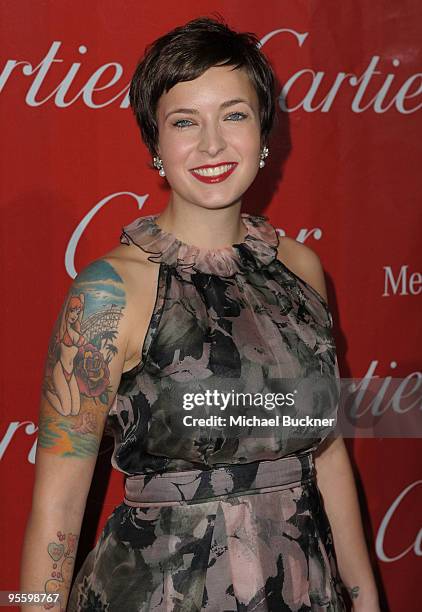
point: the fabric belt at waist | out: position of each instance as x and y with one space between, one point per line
195 486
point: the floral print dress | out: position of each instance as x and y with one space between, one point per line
220 518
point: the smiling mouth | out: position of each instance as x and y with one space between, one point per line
214 174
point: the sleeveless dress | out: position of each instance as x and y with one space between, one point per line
220 518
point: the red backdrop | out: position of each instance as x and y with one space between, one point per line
343 176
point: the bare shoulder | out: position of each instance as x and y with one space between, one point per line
128 256
303 262
140 280
132 264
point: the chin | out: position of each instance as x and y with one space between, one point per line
220 200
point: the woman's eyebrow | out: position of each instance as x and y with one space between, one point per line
194 111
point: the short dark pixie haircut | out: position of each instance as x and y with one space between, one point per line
184 54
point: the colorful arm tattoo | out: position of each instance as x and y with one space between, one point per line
77 381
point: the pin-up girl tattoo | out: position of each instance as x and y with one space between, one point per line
83 345
64 395
77 383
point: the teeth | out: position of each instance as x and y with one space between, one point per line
213 171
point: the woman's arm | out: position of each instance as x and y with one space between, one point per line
67 446
336 482
334 473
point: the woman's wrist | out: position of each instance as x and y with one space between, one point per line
364 600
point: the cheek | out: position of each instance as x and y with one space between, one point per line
176 149
247 143
250 155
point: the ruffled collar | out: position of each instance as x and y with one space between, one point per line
257 250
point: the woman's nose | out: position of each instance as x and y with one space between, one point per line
211 141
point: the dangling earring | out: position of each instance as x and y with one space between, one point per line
263 156
159 165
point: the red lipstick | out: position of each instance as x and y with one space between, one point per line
214 178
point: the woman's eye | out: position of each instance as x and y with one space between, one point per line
179 121
241 115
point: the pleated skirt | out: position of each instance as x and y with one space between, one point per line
246 537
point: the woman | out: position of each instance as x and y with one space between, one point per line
214 517
64 391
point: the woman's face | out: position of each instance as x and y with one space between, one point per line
74 313
201 124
